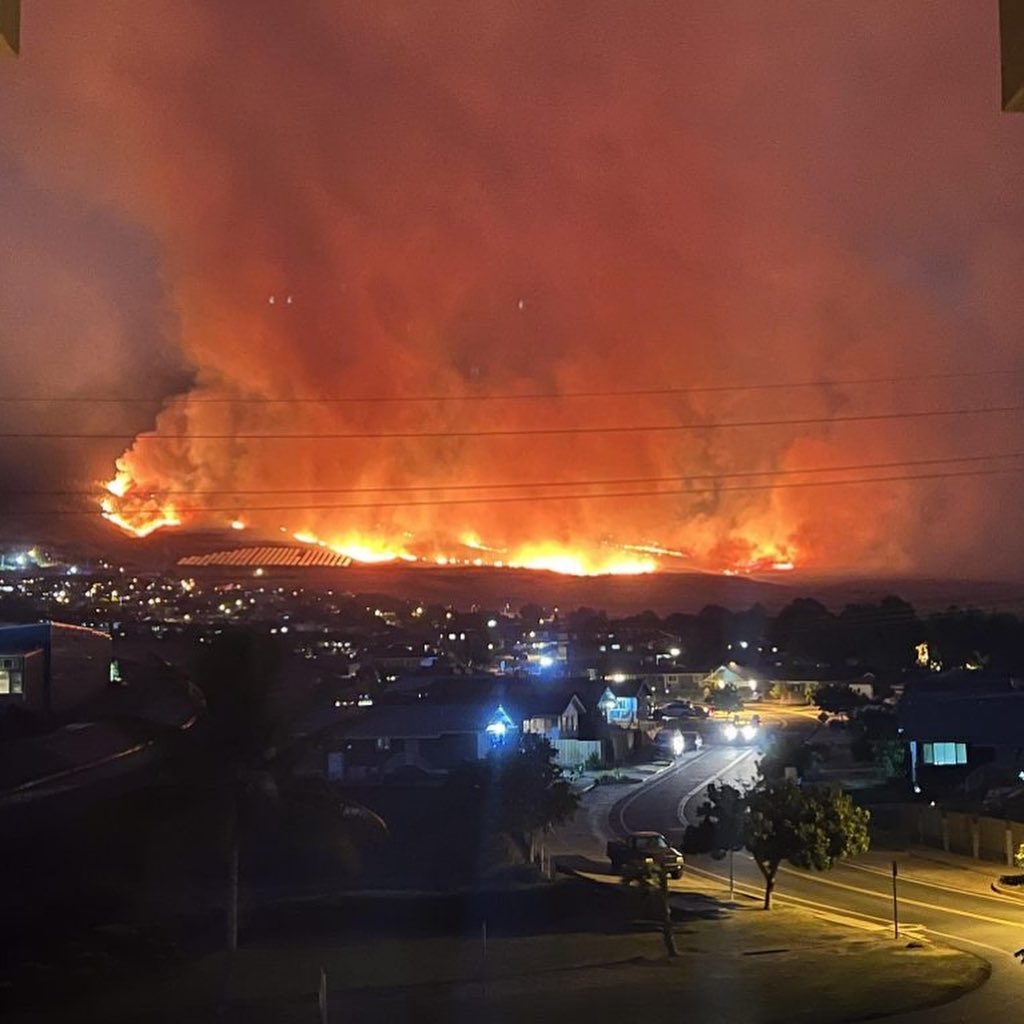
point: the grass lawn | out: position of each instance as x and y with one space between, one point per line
748 966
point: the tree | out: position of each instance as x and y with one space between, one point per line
653 876
236 674
517 793
804 628
786 751
239 764
723 822
837 699
809 828
726 698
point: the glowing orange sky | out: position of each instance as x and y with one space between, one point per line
493 198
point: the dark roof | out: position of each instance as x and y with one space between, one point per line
965 682
424 720
552 702
628 688
449 689
992 719
32 636
532 695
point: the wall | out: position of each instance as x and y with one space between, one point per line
79 665
970 835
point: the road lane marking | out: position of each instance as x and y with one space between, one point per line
844 912
903 899
681 806
646 787
974 942
911 880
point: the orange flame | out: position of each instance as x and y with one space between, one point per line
145 515
139 513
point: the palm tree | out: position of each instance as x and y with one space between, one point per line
245 760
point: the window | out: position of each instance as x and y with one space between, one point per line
5 681
650 843
383 743
945 753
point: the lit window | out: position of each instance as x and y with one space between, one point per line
945 753
383 743
5 681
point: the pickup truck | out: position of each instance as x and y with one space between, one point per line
644 845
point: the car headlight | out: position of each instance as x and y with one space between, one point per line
730 732
749 732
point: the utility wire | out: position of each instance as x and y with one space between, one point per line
506 485
504 499
527 432
529 395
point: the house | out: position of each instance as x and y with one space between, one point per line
625 704
553 715
52 667
398 658
429 738
739 676
963 730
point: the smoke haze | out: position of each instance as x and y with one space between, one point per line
454 199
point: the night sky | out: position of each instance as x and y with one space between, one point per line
447 199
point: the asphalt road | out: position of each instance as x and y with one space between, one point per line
939 900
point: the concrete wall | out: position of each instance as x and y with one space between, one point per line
79 665
970 835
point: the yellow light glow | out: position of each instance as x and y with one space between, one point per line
121 483
579 563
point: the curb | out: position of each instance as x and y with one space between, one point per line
1004 890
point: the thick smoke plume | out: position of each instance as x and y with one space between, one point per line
400 199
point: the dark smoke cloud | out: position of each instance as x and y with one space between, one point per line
494 197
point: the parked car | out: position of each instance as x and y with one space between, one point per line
640 846
672 742
681 709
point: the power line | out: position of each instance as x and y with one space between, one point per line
684 492
506 485
525 432
508 397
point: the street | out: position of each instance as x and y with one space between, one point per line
942 898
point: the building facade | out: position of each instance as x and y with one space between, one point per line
52 667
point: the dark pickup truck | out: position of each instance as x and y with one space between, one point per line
644 846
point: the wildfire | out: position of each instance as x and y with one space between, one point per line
121 483
767 557
141 513
144 517
578 563
359 549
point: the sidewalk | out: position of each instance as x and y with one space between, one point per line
587 833
936 867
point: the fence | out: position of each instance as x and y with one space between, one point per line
971 835
576 753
